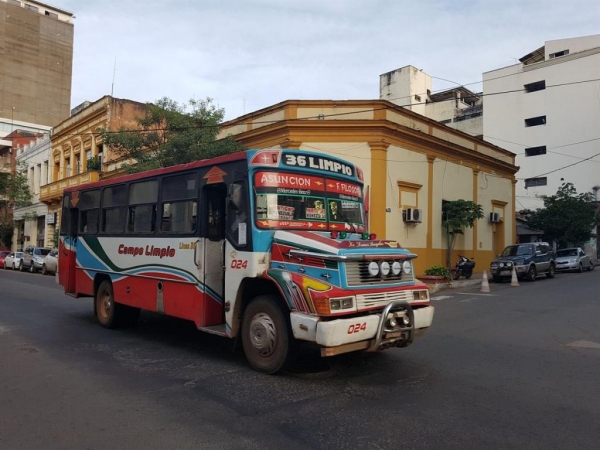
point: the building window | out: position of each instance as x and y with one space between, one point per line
418 98
32 8
537 86
535 121
559 54
51 14
531 182
535 151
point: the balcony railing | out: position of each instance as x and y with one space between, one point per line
52 192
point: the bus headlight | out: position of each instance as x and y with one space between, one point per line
339 304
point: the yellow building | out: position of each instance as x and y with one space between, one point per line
410 162
77 140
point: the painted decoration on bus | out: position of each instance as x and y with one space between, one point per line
293 200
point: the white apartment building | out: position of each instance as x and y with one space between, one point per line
35 226
546 110
458 108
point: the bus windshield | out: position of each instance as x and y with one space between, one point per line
292 200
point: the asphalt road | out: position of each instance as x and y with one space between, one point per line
514 369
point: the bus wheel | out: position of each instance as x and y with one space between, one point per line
110 313
265 335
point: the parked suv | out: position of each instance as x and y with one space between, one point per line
33 258
530 260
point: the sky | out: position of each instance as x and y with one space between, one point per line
250 54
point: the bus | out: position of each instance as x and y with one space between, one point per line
267 246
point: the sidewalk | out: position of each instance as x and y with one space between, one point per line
475 280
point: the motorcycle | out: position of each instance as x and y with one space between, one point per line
464 267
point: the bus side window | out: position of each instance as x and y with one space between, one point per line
114 209
237 214
143 197
89 204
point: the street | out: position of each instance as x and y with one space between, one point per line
513 369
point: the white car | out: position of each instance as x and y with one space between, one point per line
573 259
50 263
13 260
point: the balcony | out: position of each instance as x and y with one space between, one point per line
52 193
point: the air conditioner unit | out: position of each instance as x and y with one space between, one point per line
413 215
494 217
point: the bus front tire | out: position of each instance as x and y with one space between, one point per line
265 335
110 313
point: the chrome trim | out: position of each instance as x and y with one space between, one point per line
379 339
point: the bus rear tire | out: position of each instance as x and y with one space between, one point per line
110 313
265 335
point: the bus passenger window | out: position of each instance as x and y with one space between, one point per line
114 211
142 207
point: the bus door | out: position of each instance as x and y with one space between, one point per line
212 246
67 257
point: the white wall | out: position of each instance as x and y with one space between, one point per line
572 111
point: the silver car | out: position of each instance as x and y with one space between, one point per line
13 260
573 259
50 263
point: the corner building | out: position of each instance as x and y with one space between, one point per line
410 162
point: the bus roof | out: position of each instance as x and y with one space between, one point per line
238 156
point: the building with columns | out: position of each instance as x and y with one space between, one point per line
410 163
77 141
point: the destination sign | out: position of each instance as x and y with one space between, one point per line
316 162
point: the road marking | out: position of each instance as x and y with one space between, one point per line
440 297
472 293
466 300
584 344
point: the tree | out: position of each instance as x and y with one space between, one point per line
458 215
170 134
567 217
14 193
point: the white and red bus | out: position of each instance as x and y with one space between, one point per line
268 245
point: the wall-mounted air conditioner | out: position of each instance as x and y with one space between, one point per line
494 217
413 215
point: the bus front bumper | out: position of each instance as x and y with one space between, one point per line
395 326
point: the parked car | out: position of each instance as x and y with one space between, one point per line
573 259
3 255
529 260
50 264
13 260
33 258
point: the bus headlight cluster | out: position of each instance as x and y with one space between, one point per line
341 303
385 268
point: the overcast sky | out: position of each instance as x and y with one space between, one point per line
250 54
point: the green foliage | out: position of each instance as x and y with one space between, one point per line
567 217
438 271
14 193
94 163
172 133
458 215
55 238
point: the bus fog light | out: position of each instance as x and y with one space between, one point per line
373 269
396 267
406 320
385 268
407 267
393 323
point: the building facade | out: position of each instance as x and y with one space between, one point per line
36 44
410 163
34 226
546 110
458 108
78 140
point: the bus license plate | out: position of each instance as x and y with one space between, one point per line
395 334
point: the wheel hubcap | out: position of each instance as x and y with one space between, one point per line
263 334
106 306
